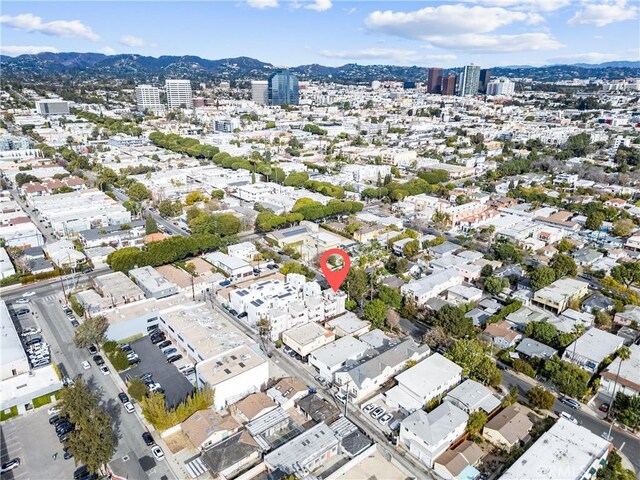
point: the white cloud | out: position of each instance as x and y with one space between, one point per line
498 43
593 57
262 3
526 5
389 54
131 41
443 20
319 5
56 28
107 50
604 12
15 50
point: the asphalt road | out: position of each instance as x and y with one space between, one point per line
58 332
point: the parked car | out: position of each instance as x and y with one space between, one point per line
158 339
54 410
243 315
54 419
67 453
75 323
385 418
169 351
30 331
569 417
369 407
604 407
145 376
125 347
157 452
105 370
225 283
129 408
92 349
164 344
134 360
377 413
148 439
33 341
123 397
10 465
22 311
273 266
341 397
233 312
28 294
98 360
570 402
174 358
86 365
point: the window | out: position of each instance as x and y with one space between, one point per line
227 371
233 357
190 348
171 328
180 337
242 365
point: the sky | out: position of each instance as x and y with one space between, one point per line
332 32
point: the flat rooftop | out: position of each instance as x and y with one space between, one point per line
229 364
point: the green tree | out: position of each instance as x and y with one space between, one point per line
375 311
495 285
119 360
541 398
356 284
150 225
627 410
453 320
614 470
470 355
565 246
411 249
390 296
627 273
623 227
623 355
542 332
476 422
542 277
170 209
594 220
91 332
568 378
563 265
195 197
137 192
137 389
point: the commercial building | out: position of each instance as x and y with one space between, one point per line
434 81
559 294
260 91
148 99
307 338
22 235
6 267
501 87
427 435
432 377
469 81
52 107
152 283
566 451
591 348
283 89
485 78
109 291
449 85
233 267
179 94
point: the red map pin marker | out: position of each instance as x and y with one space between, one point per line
335 277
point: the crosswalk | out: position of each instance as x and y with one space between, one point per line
195 467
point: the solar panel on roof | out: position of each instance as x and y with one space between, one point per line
291 233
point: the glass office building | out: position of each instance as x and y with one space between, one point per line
283 88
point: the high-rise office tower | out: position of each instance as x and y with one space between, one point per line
469 81
148 99
501 86
434 83
485 78
283 88
449 85
260 91
179 94
52 106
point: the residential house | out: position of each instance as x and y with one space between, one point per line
630 314
531 348
348 324
509 428
252 407
459 463
232 456
315 407
233 267
560 294
244 251
472 396
431 286
629 377
590 349
418 385
287 391
501 334
206 427
307 338
332 357
427 435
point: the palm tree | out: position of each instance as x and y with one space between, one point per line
577 330
623 354
441 220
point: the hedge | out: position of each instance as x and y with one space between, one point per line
13 412
42 400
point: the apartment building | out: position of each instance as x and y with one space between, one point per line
306 338
560 294
148 99
179 94
431 286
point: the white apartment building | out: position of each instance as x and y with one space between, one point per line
431 286
148 99
260 91
501 87
179 94
52 106
286 304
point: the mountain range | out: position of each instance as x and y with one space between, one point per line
87 66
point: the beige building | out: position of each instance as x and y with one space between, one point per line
508 428
306 338
252 407
207 427
560 294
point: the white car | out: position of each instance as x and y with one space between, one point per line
105 370
53 410
569 417
22 300
86 365
128 406
29 294
158 454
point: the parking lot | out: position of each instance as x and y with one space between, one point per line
31 439
176 386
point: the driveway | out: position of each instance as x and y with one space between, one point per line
176 387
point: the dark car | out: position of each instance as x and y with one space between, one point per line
87 270
158 339
33 341
75 323
93 349
243 314
60 420
80 472
604 407
123 397
148 439
225 283
125 347
174 358
134 361
273 266
164 344
10 465
233 312
99 360
570 402
54 419
151 328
